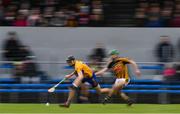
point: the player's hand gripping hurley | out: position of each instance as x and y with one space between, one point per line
54 87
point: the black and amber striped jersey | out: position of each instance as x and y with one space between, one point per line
119 67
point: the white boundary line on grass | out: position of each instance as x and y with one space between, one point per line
89 113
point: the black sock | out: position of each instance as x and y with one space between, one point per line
128 100
107 98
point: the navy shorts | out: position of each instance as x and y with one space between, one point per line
92 81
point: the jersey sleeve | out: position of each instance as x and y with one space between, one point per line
109 65
78 68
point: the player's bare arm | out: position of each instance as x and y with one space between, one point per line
135 68
101 72
70 75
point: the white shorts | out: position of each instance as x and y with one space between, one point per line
122 80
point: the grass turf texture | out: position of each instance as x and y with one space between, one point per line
89 108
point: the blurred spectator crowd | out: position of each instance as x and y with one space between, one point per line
55 13
21 59
158 13
165 52
26 69
73 13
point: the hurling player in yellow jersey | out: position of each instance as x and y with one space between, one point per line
83 74
118 66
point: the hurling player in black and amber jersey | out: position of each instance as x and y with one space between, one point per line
118 66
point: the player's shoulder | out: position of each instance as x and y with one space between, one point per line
121 58
124 58
78 63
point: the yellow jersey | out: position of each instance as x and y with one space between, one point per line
119 67
86 70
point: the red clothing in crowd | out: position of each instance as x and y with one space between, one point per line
175 22
20 23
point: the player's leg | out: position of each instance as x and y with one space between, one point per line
84 93
125 97
95 85
72 92
101 90
119 84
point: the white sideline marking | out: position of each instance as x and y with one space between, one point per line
89 113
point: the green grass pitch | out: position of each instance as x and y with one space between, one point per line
89 108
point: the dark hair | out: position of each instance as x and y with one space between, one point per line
70 58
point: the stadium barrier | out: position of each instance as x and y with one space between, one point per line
156 88
11 80
93 91
131 86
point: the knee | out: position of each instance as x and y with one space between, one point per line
73 87
116 90
116 87
98 89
